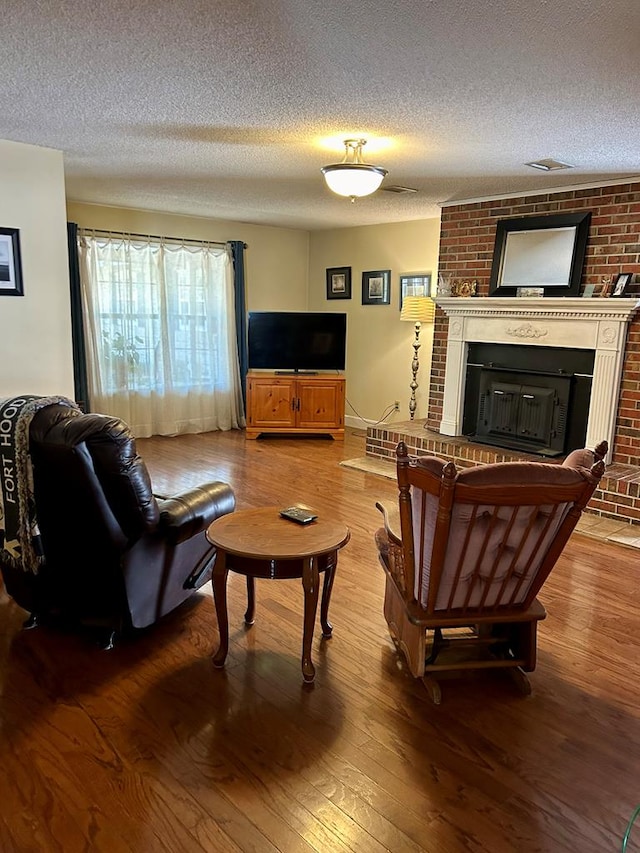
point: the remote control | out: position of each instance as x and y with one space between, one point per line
299 515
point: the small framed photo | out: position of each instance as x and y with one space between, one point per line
414 284
339 283
621 283
10 264
376 287
530 292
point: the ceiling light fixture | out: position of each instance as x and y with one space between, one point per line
352 177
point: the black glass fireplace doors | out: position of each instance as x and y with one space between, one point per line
534 399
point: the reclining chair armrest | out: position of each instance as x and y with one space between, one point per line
391 515
185 515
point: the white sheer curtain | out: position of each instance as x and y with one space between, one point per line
160 329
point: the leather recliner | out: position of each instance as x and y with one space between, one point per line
116 557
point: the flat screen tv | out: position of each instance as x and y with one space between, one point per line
295 341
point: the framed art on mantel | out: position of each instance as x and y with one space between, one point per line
339 283
10 264
621 283
540 251
376 287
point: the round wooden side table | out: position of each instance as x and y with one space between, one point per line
258 543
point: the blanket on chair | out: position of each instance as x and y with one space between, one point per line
20 544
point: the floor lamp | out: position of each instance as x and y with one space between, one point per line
418 310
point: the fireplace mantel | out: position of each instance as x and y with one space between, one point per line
596 324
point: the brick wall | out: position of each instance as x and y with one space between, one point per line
467 237
617 496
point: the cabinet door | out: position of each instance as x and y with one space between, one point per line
320 403
272 403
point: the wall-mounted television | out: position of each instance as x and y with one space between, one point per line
297 341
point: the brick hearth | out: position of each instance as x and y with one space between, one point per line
617 497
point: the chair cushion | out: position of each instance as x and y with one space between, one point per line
508 473
433 464
470 588
504 541
582 458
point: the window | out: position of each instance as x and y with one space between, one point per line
159 319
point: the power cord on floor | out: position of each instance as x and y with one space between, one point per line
386 414
629 828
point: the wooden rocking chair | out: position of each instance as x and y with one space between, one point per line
466 553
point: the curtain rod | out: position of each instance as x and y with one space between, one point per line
153 237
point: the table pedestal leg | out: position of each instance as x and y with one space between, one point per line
310 583
327 628
249 616
219 583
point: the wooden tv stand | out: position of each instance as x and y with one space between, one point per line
297 403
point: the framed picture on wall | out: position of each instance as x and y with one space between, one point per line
376 287
339 283
10 264
414 284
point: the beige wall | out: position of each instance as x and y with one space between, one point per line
285 269
379 346
276 260
35 349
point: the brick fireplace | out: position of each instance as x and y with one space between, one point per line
467 238
597 325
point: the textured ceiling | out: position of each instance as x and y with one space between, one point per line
229 109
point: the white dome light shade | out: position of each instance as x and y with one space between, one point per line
353 178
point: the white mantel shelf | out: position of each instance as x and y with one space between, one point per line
574 323
563 308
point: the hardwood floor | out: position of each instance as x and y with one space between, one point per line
148 748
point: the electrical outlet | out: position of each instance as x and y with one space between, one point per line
396 405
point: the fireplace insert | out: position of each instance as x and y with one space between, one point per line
534 399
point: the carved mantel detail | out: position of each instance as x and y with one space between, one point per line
608 334
526 330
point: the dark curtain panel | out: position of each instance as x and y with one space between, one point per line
81 385
237 250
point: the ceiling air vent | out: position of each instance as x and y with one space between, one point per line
548 165
399 190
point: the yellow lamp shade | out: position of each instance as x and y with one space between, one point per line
418 309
